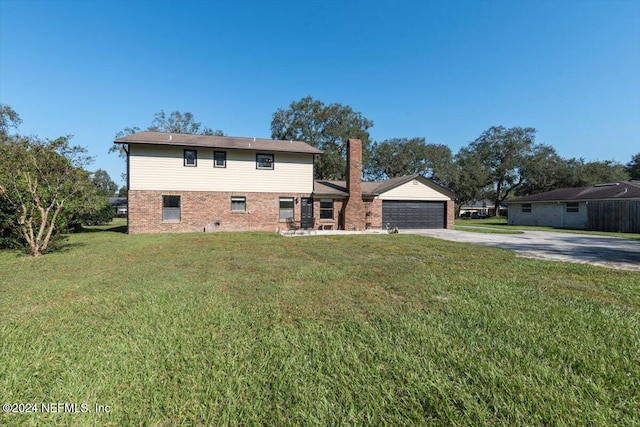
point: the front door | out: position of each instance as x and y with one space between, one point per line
306 212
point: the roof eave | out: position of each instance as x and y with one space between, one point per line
333 195
597 199
425 181
314 152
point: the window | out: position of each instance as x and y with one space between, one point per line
264 161
286 207
219 159
171 208
326 208
238 204
190 157
526 208
573 207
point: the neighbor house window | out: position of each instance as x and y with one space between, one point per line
326 208
190 157
264 161
171 208
219 159
238 204
573 207
526 208
286 207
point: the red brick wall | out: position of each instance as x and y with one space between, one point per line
451 214
200 210
337 212
373 213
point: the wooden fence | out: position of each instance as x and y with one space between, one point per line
614 215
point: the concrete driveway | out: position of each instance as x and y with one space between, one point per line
612 252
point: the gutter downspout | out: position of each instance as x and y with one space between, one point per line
126 149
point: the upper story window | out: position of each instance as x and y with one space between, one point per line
573 207
526 208
190 157
219 159
264 161
326 208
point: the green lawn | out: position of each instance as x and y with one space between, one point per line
500 225
258 329
479 228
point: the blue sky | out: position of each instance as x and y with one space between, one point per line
446 71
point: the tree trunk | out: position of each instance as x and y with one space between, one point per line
38 242
52 224
496 207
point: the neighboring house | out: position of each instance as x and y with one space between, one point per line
604 207
182 183
119 205
482 208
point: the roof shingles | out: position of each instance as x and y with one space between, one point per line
371 189
612 191
210 141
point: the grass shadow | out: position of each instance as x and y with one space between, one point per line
101 228
58 246
65 246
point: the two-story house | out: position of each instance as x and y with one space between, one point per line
189 183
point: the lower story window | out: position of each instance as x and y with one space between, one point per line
286 207
326 208
171 208
526 208
238 204
573 207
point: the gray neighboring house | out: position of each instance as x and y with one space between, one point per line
119 205
604 207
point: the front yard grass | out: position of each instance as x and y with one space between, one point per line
500 225
257 329
484 229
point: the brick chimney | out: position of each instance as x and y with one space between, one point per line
354 209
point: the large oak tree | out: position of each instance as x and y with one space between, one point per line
633 167
103 183
401 156
326 127
500 155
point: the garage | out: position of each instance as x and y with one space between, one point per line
413 214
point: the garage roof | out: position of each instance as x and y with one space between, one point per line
372 189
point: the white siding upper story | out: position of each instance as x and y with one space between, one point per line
548 214
413 190
162 168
